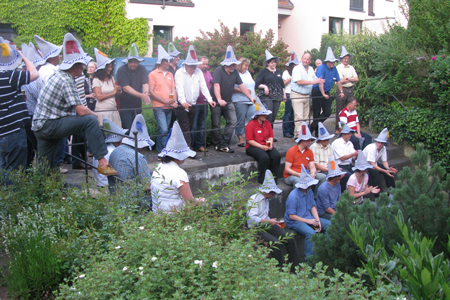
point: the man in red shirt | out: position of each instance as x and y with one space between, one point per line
349 116
299 155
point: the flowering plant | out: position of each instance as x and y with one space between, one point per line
438 77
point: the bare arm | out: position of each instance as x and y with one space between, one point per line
330 211
30 68
345 157
303 220
288 169
246 92
157 98
100 96
320 167
128 89
185 190
312 169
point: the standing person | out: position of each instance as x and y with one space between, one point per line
259 136
329 192
105 89
175 57
164 96
303 78
244 107
271 86
14 112
344 153
321 91
60 113
288 117
201 112
348 79
318 62
270 229
349 116
189 81
132 77
90 95
224 79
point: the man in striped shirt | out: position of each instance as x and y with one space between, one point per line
349 116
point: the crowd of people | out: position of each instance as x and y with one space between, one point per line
47 100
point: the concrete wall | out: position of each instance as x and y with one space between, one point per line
303 29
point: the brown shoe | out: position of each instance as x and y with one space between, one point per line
107 170
202 149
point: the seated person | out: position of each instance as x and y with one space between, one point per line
170 183
270 231
301 213
373 153
357 184
344 153
330 191
259 136
298 156
349 116
322 151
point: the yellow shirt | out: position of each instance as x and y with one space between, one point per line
346 72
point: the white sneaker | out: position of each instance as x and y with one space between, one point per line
63 171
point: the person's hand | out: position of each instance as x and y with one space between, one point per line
341 95
326 96
145 98
265 148
355 154
185 105
271 145
358 135
273 222
368 189
266 90
312 174
91 95
253 99
222 102
393 170
375 190
388 173
175 105
212 103
200 199
118 89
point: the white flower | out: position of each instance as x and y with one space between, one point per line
154 258
198 262
276 285
125 268
73 289
187 228
118 247
211 243
141 227
81 276
141 273
214 265
249 255
141 268
64 198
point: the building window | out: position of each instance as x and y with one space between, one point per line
7 32
371 13
247 27
356 5
163 32
336 25
355 27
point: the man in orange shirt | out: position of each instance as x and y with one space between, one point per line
163 95
299 155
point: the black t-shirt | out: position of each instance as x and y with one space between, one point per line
135 79
226 82
274 82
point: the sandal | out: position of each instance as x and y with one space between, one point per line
226 149
241 145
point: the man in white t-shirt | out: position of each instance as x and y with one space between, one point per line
344 153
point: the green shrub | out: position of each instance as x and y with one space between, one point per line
438 77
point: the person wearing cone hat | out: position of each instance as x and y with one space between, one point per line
175 56
329 192
13 137
51 56
271 229
321 91
322 153
373 153
298 156
348 77
163 94
344 153
60 112
225 77
132 77
349 115
259 137
303 78
189 82
170 183
123 158
288 117
358 184
301 213
270 83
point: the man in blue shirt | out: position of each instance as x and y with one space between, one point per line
329 192
321 92
301 213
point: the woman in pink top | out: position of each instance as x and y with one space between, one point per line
357 184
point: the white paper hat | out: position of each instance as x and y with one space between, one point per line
383 137
47 49
323 133
173 52
361 163
140 126
230 58
345 129
269 184
32 54
191 57
330 56
72 52
305 134
345 53
333 169
305 180
162 54
293 60
260 109
112 137
132 54
269 57
102 59
176 145
10 58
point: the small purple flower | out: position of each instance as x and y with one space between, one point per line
443 55
433 58
443 82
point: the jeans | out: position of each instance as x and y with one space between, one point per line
321 109
31 144
61 150
288 117
357 144
54 130
78 151
127 117
13 152
376 178
229 113
163 117
266 160
243 110
185 119
272 105
199 122
292 180
307 231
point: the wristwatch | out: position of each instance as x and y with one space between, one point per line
342 92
